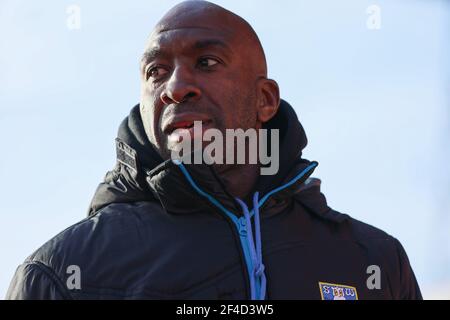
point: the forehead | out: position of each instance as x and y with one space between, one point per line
189 37
186 40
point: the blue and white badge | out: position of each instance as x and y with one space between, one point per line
332 291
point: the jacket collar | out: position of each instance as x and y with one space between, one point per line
141 175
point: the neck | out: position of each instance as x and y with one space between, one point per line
240 180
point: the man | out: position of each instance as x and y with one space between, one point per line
164 228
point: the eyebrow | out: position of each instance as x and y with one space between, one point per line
150 55
155 52
202 44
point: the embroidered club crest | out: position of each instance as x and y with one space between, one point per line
331 291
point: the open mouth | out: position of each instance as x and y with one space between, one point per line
180 125
186 126
184 121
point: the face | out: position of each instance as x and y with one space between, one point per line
196 73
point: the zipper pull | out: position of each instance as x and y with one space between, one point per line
242 227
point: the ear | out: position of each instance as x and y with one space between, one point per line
268 99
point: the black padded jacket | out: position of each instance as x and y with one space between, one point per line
166 230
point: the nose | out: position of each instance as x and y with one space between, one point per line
180 87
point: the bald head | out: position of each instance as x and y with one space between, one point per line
204 62
210 16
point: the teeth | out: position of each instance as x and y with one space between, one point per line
186 127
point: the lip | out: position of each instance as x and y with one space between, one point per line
182 120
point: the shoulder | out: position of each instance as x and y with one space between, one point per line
92 245
382 251
330 222
109 226
337 226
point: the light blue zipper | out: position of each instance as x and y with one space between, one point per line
252 254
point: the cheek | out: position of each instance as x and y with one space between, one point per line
151 107
225 92
243 102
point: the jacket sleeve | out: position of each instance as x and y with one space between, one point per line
408 288
35 281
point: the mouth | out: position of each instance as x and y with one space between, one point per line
179 125
183 121
183 124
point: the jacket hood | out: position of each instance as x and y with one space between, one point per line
141 174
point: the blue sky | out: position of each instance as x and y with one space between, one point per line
375 105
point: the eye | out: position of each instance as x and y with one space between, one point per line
207 62
156 72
